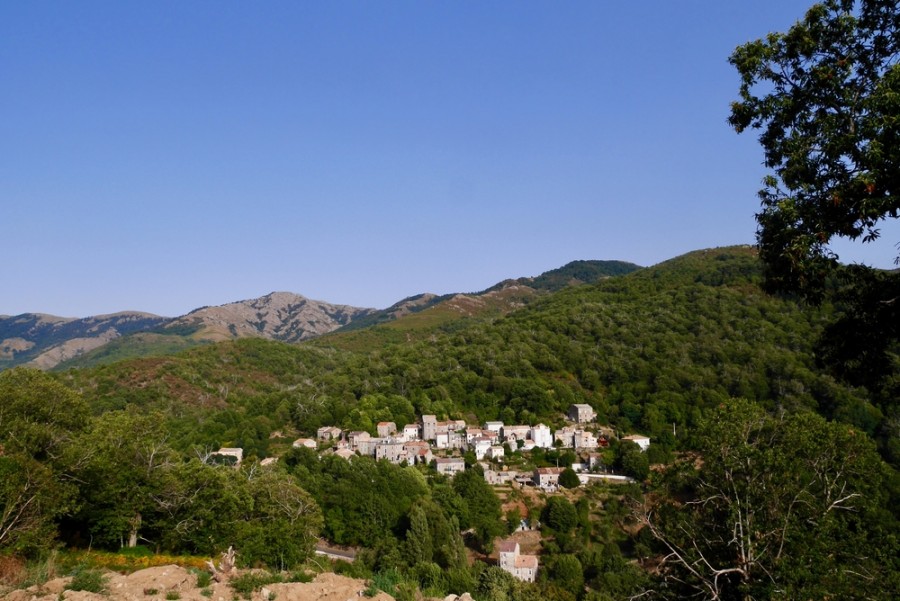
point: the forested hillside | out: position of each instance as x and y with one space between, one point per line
664 351
650 351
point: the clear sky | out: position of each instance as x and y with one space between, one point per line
161 156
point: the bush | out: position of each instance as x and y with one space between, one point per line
385 580
245 584
138 551
204 578
89 580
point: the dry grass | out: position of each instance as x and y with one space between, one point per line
12 571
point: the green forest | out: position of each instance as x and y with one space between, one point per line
768 475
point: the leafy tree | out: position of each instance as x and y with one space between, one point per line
39 420
124 470
280 526
513 519
419 546
482 506
200 507
569 479
566 570
495 584
38 415
793 506
31 499
826 97
559 514
632 461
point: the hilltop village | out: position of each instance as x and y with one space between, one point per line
445 444
453 445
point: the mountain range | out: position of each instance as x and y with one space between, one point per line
48 342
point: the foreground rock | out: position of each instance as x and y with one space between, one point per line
168 583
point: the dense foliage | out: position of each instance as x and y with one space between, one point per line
826 97
789 506
658 351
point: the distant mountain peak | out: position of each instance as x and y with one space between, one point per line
284 316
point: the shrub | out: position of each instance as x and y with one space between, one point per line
39 572
173 595
385 580
88 580
204 578
138 551
245 584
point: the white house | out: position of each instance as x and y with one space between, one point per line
542 436
449 466
480 446
641 441
411 432
523 567
494 427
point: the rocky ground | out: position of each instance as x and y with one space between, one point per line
170 583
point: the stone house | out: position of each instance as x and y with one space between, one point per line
345 454
328 433
547 478
513 434
366 446
309 443
429 427
565 436
584 440
496 452
390 449
449 466
358 437
523 567
499 478
581 413
418 451
473 433
449 440
386 429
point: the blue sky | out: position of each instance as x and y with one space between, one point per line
161 156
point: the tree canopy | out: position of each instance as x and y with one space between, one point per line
789 505
826 97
